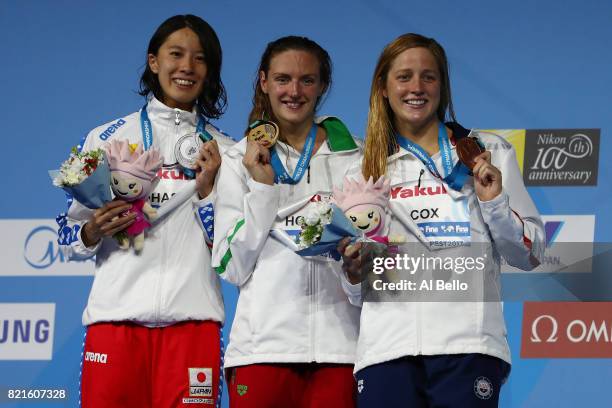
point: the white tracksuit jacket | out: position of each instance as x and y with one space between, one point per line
290 309
390 330
172 279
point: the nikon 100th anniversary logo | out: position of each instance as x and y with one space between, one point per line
561 157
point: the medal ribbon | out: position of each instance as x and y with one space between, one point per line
147 129
147 134
454 176
280 173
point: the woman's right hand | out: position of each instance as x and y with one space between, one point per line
351 259
107 221
257 162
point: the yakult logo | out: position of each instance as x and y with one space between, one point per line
416 191
567 330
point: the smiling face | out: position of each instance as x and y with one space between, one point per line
293 85
365 218
180 68
412 89
125 186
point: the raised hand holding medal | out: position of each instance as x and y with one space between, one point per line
186 151
208 162
487 177
263 132
261 136
468 148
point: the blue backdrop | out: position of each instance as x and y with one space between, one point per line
68 66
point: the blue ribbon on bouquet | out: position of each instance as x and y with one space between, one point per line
94 191
339 227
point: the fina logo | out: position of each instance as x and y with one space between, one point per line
40 250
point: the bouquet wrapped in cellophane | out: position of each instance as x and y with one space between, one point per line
85 176
357 211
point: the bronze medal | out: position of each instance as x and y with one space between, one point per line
263 132
468 148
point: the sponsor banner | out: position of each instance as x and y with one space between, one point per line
26 331
554 157
561 157
31 249
567 330
516 137
569 244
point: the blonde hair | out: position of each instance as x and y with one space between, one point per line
380 133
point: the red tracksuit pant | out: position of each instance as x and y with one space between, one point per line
128 365
299 385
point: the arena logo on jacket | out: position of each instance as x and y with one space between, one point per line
443 220
111 129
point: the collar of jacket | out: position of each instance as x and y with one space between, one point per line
157 110
339 139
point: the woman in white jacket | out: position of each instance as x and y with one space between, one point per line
293 339
154 318
424 350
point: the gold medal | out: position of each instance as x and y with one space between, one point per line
263 132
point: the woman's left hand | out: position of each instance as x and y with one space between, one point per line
487 178
208 162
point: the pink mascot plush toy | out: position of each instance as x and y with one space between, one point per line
365 203
133 177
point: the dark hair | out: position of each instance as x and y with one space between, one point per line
212 100
380 140
261 102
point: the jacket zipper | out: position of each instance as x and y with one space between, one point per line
418 328
177 122
313 309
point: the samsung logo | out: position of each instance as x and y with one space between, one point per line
26 331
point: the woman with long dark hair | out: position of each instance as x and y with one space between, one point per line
154 317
